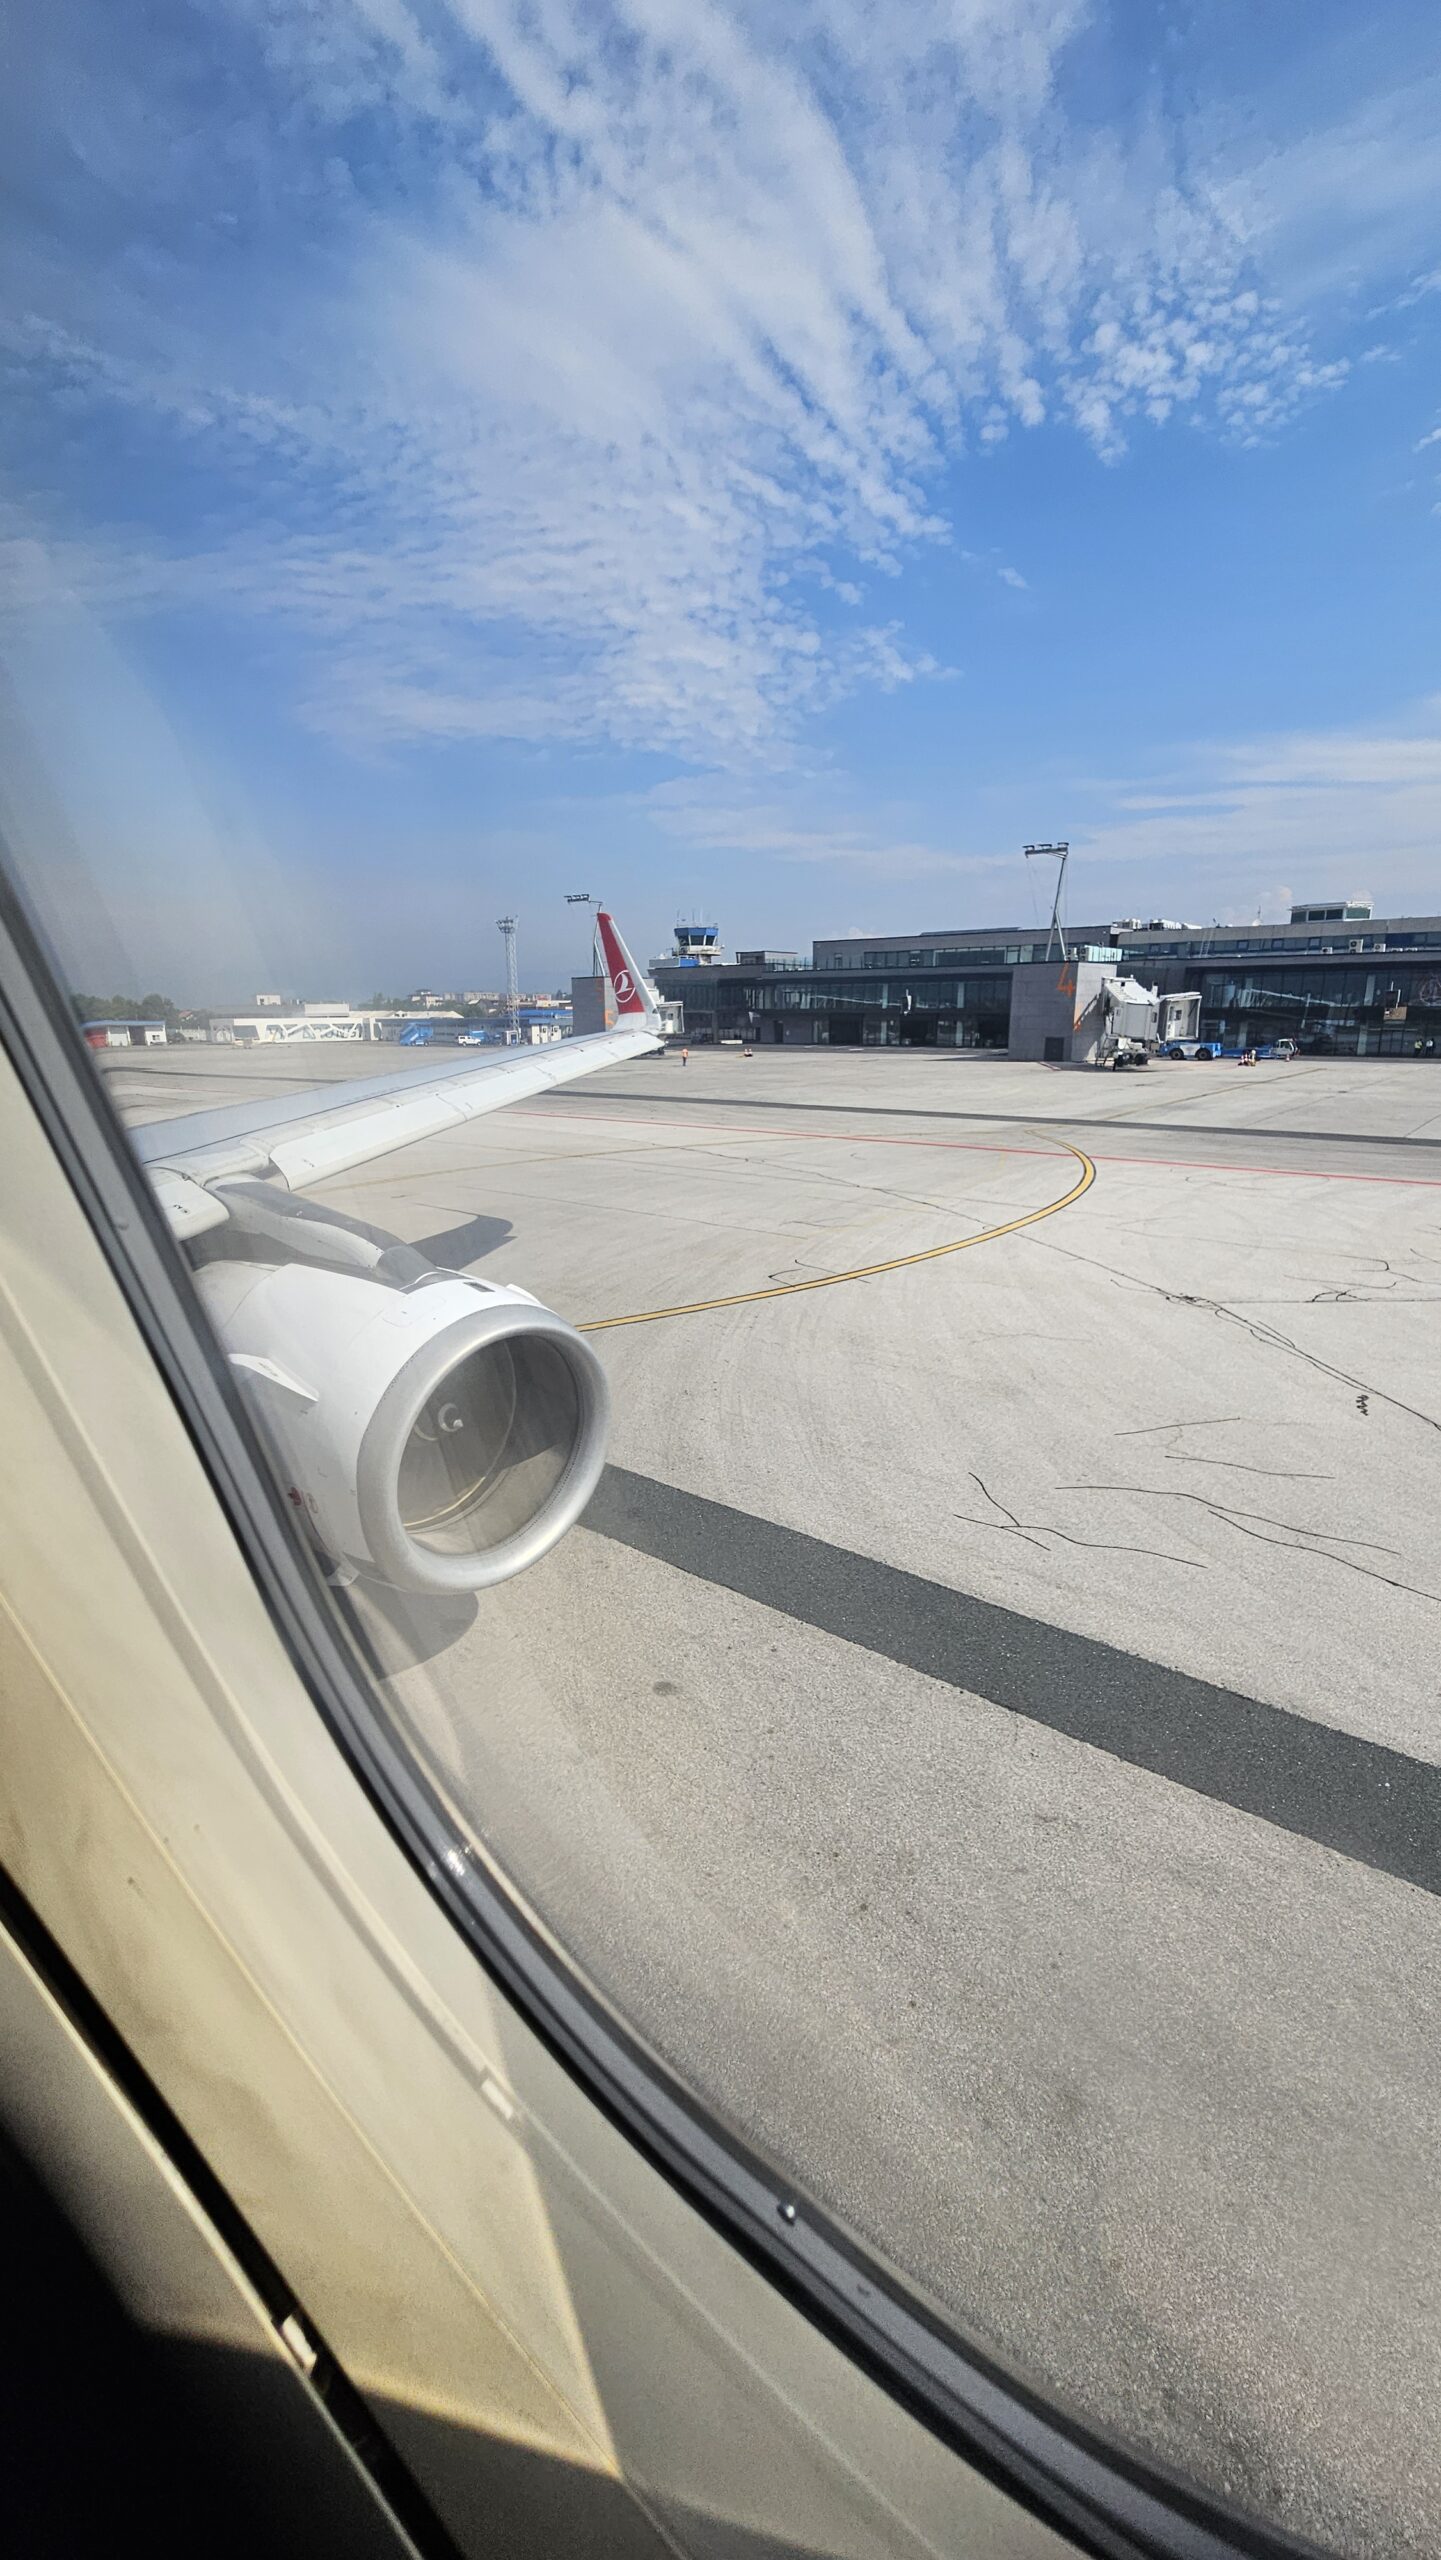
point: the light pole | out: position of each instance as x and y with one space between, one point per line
584 898
505 926
1057 853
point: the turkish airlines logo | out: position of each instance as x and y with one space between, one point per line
621 975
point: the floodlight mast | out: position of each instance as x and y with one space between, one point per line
1057 853
505 926
586 898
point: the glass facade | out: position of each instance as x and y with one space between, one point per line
1341 1012
1371 1006
902 1008
964 955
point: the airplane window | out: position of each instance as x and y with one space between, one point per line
898 1509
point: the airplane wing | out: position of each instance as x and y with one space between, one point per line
299 1138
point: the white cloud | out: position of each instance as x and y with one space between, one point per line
1345 199
805 819
1352 810
1012 578
1338 809
1418 290
582 406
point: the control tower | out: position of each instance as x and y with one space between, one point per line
697 946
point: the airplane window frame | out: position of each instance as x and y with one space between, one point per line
1103 2499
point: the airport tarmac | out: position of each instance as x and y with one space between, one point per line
986 1732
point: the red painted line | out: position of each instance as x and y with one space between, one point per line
979 1147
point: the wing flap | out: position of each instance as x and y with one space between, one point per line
189 1207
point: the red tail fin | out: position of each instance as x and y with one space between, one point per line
632 995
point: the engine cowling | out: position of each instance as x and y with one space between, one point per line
443 1435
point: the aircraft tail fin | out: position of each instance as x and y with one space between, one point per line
636 1000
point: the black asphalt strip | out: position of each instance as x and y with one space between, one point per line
1099 1129
1357 1797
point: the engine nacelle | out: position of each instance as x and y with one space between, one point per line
442 1435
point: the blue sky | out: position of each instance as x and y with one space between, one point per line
763 460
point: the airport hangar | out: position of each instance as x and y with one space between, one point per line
1335 979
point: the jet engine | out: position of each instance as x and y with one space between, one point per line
442 1434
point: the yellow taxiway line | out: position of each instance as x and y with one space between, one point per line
867 1270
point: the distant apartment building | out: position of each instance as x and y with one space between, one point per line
541 1023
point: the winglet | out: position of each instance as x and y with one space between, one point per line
635 997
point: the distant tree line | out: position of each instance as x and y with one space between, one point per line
151 1008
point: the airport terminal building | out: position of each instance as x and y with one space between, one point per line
1335 979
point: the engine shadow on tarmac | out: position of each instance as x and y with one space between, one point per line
456 1248
395 1630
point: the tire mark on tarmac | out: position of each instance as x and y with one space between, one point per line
1360 1798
